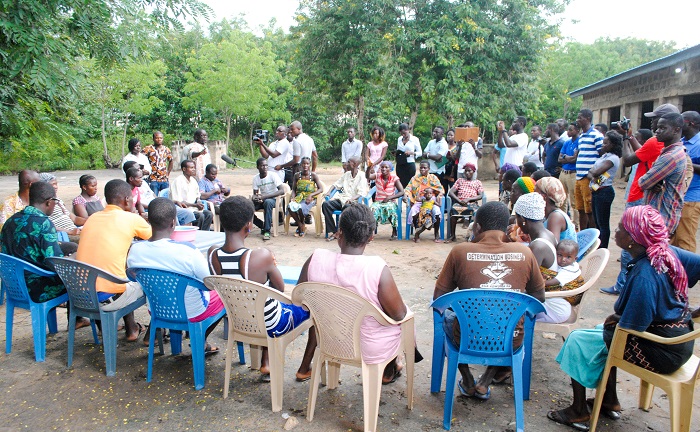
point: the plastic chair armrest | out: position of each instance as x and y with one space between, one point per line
662 340
563 294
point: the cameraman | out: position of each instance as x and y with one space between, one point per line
279 155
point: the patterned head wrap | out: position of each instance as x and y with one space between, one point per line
47 177
470 166
526 184
509 166
530 206
552 187
389 164
647 228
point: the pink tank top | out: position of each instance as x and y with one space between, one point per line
360 274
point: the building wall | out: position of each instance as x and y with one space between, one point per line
661 86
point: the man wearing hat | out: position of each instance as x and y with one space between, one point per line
644 155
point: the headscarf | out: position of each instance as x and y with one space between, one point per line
526 184
647 228
552 187
387 162
510 166
530 206
47 177
469 165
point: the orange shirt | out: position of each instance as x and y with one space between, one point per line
105 241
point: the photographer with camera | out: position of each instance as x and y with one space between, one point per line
279 154
197 152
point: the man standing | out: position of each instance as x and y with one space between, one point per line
265 189
436 153
644 156
663 183
489 261
567 160
688 226
104 243
351 148
306 144
197 152
19 200
350 187
552 150
535 149
513 142
161 160
185 193
279 155
469 152
211 188
589 144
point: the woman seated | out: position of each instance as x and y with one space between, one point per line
654 299
389 188
416 190
307 187
233 259
521 186
369 277
61 218
466 195
529 214
558 222
88 202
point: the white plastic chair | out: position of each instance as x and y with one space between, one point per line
592 267
245 308
281 202
315 212
338 313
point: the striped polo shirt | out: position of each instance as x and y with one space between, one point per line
588 145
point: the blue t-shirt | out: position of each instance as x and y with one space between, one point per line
568 149
648 297
692 147
552 150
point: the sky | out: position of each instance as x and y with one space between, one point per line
583 20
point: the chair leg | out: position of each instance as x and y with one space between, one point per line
95 337
227 369
71 335
39 329
685 397
599 392
313 385
275 352
198 342
151 348
51 321
333 375
518 391
225 335
371 392
175 342
450 385
109 342
646 391
9 316
241 353
255 357
438 363
410 370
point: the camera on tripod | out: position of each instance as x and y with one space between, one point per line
261 134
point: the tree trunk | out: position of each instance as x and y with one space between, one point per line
228 130
360 109
412 119
450 121
105 154
126 126
250 140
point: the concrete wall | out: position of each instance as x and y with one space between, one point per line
661 86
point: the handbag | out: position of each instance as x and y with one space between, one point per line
401 158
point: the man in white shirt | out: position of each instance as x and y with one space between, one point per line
198 153
308 148
515 145
351 148
535 148
278 154
184 192
265 188
436 151
350 187
469 152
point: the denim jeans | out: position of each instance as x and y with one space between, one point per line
625 256
268 206
602 200
158 186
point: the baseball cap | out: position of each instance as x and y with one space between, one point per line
662 110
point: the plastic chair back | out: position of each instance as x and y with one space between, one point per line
586 239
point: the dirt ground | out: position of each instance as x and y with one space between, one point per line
47 395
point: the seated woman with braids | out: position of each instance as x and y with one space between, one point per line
307 187
654 299
369 277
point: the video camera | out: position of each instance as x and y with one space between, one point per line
261 134
623 124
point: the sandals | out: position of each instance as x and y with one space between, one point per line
561 418
611 414
394 376
142 329
476 394
331 238
210 350
303 377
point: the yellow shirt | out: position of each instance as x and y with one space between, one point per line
105 241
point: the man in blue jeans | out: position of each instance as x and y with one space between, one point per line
265 189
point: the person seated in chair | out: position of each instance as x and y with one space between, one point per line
184 192
161 253
20 199
466 194
350 187
104 243
416 189
265 189
211 188
388 189
474 265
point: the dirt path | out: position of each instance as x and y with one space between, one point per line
46 395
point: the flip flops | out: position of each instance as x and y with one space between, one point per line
561 418
476 394
611 414
210 350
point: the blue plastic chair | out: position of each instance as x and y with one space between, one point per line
79 279
12 273
586 239
409 221
487 320
166 298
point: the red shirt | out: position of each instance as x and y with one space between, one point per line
647 155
